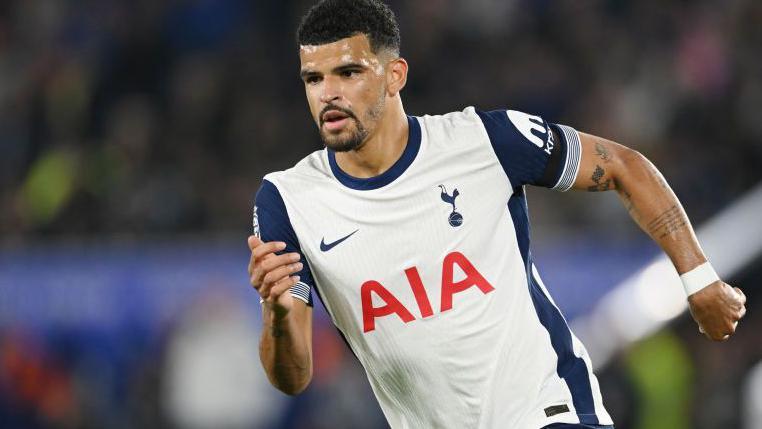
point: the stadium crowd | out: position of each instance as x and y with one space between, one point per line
143 119
153 117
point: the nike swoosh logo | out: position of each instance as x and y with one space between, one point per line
326 247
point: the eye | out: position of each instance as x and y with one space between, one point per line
312 80
349 73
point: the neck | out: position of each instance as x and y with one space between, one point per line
382 148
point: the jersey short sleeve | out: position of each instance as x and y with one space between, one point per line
528 151
271 223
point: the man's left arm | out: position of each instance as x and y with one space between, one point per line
606 165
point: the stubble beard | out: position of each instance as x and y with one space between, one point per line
342 143
357 134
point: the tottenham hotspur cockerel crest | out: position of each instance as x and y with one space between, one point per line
455 219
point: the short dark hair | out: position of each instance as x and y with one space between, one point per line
331 20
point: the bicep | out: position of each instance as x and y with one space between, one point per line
601 162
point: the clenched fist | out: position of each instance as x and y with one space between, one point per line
271 274
717 309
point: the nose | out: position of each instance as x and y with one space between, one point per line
331 90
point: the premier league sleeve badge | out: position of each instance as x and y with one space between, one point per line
255 223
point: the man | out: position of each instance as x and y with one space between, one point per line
414 233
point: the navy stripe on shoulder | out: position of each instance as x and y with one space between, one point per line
272 223
524 145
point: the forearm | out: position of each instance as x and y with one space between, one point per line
654 206
647 197
604 166
285 353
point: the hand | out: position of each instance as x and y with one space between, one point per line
717 309
270 274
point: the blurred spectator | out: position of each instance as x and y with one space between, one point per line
33 387
161 117
214 379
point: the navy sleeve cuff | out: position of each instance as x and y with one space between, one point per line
571 141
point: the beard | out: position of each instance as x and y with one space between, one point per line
353 136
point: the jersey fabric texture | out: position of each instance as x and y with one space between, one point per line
426 272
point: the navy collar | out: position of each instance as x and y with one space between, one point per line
388 176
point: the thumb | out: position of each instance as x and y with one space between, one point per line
253 242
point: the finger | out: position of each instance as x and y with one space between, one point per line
283 286
716 333
741 294
264 289
271 263
260 253
730 329
266 278
275 290
253 241
725 333
742 312
284 271
254 263
265 248
252 260
275 261
722 336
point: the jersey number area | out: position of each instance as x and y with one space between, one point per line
449 288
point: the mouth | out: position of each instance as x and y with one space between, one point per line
334 119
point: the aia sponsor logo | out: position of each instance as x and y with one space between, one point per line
449 287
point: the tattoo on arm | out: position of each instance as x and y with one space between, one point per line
602 152
276 332
596 177
598 173
626 197
669 221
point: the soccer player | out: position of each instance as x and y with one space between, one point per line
414 233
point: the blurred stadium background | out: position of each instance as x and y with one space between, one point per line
133 135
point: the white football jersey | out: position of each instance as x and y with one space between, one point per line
426 272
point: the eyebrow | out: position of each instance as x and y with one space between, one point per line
307 72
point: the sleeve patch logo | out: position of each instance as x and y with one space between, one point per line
256 223
526 124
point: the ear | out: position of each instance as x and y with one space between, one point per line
396 76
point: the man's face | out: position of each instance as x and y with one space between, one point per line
345 84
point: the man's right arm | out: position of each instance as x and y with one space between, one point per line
285 347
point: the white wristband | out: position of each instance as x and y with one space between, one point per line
699 278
